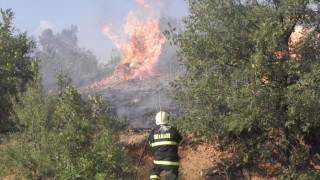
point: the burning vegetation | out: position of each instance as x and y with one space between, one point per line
140 42
135 91
249 98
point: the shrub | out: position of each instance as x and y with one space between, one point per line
63 137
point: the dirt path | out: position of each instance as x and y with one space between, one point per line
199 160
196 160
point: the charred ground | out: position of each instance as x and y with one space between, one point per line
137 101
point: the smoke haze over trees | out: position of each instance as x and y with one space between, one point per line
61 52
168 60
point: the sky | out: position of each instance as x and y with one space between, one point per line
90 16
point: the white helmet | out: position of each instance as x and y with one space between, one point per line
162 118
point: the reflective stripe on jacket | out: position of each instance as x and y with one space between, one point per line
166 163
154 177
165 145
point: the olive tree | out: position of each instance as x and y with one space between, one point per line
249 80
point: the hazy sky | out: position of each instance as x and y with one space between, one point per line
89 16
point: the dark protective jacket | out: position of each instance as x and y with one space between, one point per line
165 146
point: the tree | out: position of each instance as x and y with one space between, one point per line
63 137
31 151
61 51
15 62
109 67
248 80
87 146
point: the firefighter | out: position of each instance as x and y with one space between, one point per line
165 140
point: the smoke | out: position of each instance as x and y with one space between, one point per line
44 25
142 94
135 92
138 103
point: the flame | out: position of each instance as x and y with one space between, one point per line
148 5
295 37
278 54
144 4
298 33
140 42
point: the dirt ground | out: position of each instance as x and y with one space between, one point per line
199 160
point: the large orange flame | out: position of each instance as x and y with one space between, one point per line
140 42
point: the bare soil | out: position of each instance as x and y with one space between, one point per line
199 160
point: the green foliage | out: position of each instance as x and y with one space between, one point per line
237 86
74 150
15 66
28 150
63 137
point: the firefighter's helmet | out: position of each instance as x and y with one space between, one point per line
162 118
